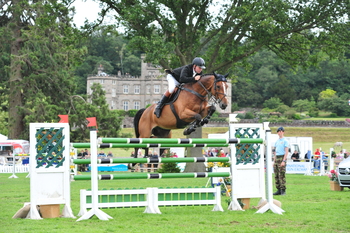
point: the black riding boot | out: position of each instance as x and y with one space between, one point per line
278 192
160 105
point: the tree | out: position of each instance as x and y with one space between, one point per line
283 90
327 94
40 40
172 32
301 105
108 121
272 103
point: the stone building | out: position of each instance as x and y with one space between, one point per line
127 92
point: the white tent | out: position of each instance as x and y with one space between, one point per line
3 137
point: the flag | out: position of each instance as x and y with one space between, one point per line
92 121
64 119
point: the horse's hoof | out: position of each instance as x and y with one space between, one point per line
188 131
185 132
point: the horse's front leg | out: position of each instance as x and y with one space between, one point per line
197 119
210 109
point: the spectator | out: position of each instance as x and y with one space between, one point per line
295 156
102 154
317 152
110 155
221 153
308 154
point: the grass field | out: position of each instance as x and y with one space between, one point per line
322 137
310 206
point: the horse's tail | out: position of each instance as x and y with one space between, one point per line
137 120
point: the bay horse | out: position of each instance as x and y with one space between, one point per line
187 107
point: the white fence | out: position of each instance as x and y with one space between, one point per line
211 196
19 168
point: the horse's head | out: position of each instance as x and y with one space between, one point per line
219 90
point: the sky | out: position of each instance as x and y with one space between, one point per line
85 10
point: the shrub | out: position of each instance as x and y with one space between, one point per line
290 113
234 107
240 116
121 112
296 117
132 112
249 115
169 167
282 108
313 112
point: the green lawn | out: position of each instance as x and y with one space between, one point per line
310 206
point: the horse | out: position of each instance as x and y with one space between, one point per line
188 106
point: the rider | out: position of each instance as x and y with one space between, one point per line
184 74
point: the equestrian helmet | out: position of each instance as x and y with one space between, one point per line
198 61
280 129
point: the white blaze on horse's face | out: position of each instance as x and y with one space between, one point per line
222 95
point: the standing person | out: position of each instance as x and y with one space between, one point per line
185 74
280 162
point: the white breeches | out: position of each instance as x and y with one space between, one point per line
172 82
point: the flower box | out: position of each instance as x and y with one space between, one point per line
335 186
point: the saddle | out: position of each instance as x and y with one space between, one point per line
179 123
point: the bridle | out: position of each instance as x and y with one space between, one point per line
216 95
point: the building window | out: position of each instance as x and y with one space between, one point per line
112 104
114 82
102 81
114 91
156 89
137 105
148 89
137 89
125 89
126 105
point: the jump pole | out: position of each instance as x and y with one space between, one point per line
154 176
94 182
181 140
154 160
146 145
